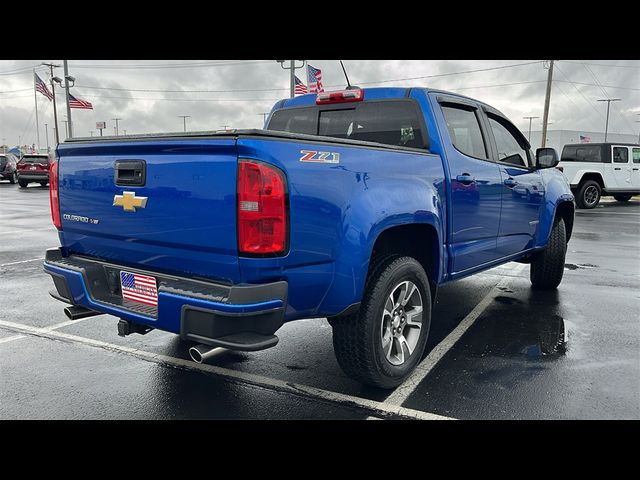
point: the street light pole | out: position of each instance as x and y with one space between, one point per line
66 89
46 133
606 126
292 74
530 118
638 121
264 117
547 101
184 121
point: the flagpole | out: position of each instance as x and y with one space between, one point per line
35 98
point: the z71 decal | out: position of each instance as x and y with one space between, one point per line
319 157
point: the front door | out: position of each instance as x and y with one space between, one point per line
621 166
475 187
522 188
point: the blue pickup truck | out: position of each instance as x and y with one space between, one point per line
354 205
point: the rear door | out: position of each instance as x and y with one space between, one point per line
475 193
522 187
621 164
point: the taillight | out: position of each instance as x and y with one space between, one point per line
262 213
342 96
54 191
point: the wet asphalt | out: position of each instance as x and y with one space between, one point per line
569 354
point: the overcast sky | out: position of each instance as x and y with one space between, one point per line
248 87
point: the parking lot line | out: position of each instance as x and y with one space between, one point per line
21 261
45 329
382 409
439 351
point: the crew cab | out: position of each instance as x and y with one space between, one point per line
601 169
354 205
33 168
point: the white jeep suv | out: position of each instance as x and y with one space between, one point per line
597 169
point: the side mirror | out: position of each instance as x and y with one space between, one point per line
546 158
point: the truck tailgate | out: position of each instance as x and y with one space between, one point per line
187 225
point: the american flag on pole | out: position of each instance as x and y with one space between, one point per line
42 87
139 288
584 139
77 103
300 88
315 79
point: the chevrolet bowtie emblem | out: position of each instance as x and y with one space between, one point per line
129 202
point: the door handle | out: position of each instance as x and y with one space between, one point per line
465 179
635 169
617 168
510 182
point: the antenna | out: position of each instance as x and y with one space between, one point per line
349 86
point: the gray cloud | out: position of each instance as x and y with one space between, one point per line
573 106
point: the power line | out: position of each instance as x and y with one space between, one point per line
601 64
578 90
171 65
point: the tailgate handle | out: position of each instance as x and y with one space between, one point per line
131 172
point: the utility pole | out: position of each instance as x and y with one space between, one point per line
530 118
547 100
184 120
116 127
53 91
66 89
225 127
264 117
292 74
606 126
46 133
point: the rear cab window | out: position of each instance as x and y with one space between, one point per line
464 130
397 123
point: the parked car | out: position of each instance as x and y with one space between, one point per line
354 205
33 168
600 169
8 163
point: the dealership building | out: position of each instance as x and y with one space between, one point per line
559 138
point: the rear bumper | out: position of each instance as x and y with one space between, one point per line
240 317
33 177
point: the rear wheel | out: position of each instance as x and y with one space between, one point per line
623 197
383 342
589 194
23 184
44 184
13 179
547 267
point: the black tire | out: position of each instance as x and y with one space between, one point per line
13 179
623 197
584 198
43 184
23 184
357 339
547 267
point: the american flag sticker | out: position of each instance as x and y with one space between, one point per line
139 288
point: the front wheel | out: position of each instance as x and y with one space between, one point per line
547 267
23 184
622 197
13 179
383 342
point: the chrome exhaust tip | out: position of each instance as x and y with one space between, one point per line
75 312
202 353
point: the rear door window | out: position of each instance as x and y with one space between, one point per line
636 155
464 130
620 155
